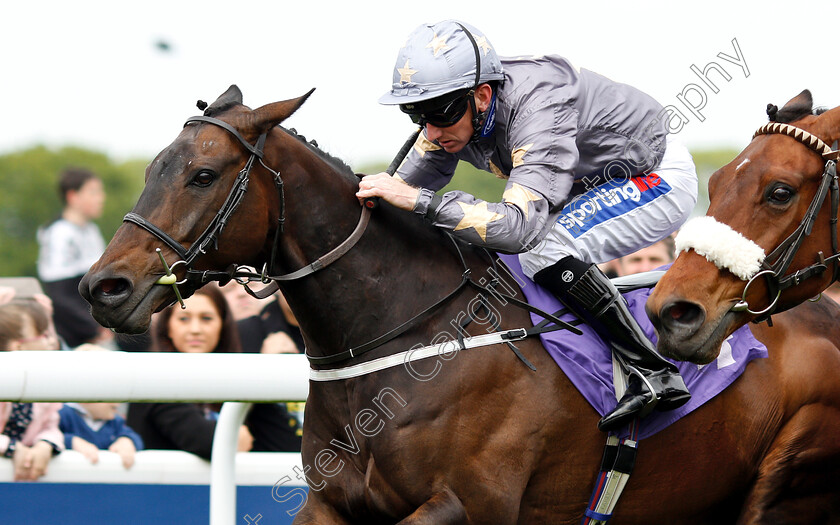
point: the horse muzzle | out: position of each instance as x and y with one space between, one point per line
118 304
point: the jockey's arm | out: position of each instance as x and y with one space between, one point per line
543 157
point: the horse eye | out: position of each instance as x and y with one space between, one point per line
204 178
781 195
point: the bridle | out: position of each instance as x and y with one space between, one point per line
243 275
211 233
782 256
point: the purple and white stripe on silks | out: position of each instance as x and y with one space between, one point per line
722 246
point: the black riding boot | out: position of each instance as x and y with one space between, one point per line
587 292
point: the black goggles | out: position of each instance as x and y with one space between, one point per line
439 115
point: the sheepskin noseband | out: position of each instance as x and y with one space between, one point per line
721 245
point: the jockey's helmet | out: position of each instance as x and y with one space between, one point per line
436 72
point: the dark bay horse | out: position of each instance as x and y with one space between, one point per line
778 197
473 436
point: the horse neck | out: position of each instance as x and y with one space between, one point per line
827 126
373 287
829 130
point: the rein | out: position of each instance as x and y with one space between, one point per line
214 229
243 276
489 289
782 256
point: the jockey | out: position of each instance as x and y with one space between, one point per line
592 175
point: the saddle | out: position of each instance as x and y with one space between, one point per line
587 360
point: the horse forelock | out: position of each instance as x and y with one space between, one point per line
796 108
224 107
789 114
231 97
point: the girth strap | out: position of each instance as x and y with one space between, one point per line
558 324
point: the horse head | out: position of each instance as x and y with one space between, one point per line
200 173
768 241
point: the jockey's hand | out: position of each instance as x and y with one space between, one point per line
390 189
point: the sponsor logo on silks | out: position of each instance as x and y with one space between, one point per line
490 122
610 200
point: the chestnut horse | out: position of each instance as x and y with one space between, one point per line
471 437
773 215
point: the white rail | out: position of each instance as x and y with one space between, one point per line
164 377
150 376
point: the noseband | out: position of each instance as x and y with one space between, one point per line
211 234
782 256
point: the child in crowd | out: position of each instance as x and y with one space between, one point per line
91 427
29 432
68 247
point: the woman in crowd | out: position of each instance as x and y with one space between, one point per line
206 325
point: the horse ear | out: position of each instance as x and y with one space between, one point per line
227 99
268 116
801 103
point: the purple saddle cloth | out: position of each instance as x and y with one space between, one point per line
587 360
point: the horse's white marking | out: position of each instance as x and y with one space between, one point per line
745 161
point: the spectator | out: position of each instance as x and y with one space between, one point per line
649 258
242 304
611 268
206 325
25 325
68 248
833 291
29 432
270 328
36 298
89 427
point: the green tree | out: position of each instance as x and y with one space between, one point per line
707 162
29 198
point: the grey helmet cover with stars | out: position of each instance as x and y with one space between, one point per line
438 59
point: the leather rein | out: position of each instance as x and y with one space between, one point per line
243 275
783 255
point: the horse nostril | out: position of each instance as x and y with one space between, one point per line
682 316
112 291
111 286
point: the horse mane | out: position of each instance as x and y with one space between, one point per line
225 102
312 145
404 220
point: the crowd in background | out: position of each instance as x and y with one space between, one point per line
55 317
216 319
